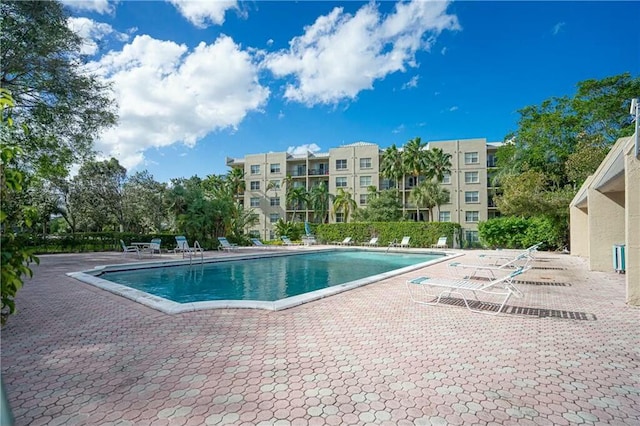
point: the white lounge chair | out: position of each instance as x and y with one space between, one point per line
129 249
502 287
372 242
226 245
346 242
442 243
500 258
520 261
287 241
402 244
154 246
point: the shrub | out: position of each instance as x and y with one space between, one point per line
517 232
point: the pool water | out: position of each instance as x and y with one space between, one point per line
263 279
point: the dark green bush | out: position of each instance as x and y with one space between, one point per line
516 232
423 234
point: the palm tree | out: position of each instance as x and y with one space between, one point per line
320 201
414 159
344 203
235 182
438 164
296 198
429 194
391 165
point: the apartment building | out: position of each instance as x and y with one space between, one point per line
356 168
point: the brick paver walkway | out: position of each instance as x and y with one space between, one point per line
79 355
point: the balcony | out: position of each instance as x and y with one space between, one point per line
318 172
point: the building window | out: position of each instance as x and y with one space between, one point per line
272 235
274 184
491 160
339 217
446 178
365 163
365 181
274 217
444 217
254 202
471 177
471 236
364 199
255 185
341 164
274 201
387 184
255 169
471 216
298 184
275 168
471 158
341 182
471 197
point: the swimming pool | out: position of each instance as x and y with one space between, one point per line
269 281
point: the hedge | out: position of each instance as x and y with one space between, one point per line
517 232
423 234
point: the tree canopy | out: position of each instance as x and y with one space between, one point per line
62 106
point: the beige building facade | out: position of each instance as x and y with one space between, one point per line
605 215
355 168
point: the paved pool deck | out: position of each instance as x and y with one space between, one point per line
76 354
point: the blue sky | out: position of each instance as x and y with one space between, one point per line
200 81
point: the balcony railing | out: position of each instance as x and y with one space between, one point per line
318 172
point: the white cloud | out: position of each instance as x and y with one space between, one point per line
453 108
204 13
342 54
557 28
444 50
412 83
303 149
398 129
167 94
92 33
99 6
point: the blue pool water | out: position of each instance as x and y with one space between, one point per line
262 279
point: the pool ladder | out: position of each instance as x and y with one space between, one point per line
196 248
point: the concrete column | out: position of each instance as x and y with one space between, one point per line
579 225
606 227
632 219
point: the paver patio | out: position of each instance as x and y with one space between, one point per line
75 354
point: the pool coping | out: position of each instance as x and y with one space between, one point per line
170 307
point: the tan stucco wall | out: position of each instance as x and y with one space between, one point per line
579 224
606 227
632 219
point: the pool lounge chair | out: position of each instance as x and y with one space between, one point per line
520 261
226 245
372 242
287 241
154 246
402 244
129 249
499 258
442 243
502 287
346 242
257 243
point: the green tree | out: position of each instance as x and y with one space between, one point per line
63 105
320 200
438 164
344 203
415 160
14 258
144 203
429 194
99 190
296 199
392 166
384 207
589 153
